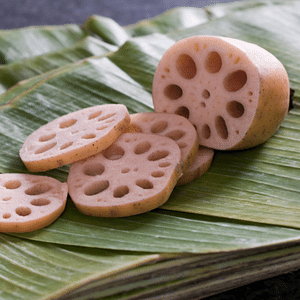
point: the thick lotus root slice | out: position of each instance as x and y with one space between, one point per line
199 167
136 174
235 93
30 202
74 136
173 126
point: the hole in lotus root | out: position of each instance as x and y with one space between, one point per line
176 135
23 211
157 155
96 188
235 81
142 148
221 127
48 137
159 126
45 148
67 123
94 169
66 145
110 121
157 174
89 136
235 109
182 145
40 202
38 189
173 91
213 62
164 164
6 198
6 216
144 184
106 117
125 170
183 111
113 152
102 127
186 66
121 191
12 184
95 115
205 94
206 133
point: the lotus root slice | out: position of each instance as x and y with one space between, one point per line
74 136
173 126
30 202
199 167
136 174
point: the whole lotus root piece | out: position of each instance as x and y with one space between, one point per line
136 174
173 126
74 136
234 92
30 202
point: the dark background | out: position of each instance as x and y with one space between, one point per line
22 13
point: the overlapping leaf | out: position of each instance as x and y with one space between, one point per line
249 195
33 41
11 74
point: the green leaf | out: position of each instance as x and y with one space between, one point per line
107 29
146 52
175 19
33 41
160 231
35 270
13 73
236 224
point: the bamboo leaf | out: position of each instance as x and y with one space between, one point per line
237 222
35 270
160 231
47 271
13 73
33 41
175 19
145 52
107 29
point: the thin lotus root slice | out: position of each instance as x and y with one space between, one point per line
30 202
235 93
74 136
136 174
173 126
199 167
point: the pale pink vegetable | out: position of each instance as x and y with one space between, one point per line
136 174
235 93
74 136
172 126
199 167
30 202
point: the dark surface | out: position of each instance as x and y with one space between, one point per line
21 13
